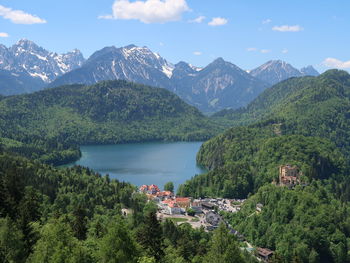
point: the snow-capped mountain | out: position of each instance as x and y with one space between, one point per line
41 63
132 63
31 67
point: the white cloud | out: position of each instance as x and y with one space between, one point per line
199 19
286 28
197 53
336 63
285 51
218 21
149 11
252 49
161 44
20 17
264 51
3 34
266 21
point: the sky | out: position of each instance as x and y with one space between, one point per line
247 33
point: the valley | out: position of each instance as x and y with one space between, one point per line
174 131
242 161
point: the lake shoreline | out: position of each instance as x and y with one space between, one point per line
143 163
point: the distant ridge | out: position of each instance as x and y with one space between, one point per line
275 71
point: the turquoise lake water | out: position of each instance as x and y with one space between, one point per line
144 163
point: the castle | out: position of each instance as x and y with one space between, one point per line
289 175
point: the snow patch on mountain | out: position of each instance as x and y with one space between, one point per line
26 56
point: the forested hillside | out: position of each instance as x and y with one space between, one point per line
50 125
302 225
303 122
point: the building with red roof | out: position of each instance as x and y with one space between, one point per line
149 189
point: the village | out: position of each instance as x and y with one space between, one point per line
205 212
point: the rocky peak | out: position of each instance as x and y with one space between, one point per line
27 56
275 71
309 71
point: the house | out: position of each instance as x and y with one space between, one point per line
264 254
289 175
165 195
197 207
183 202
143 188
171 207
153 189
149 189
174 208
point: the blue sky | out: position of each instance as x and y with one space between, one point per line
246 33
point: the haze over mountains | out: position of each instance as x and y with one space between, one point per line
27 67
275 71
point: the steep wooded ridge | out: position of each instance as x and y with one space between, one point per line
49 125
307 109
304 122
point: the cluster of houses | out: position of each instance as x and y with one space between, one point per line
170 204
167 202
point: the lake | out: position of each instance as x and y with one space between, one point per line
144 163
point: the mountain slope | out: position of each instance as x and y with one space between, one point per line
219 85
50 124
20 82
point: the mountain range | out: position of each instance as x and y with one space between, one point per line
217 86
28 67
